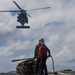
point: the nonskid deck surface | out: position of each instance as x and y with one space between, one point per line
58 73
63 73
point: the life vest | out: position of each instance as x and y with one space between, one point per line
42 52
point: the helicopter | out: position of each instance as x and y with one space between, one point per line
22 17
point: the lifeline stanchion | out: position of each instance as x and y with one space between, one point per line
53 66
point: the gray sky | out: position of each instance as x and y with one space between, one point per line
56 25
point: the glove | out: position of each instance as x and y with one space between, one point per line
49 56
34 57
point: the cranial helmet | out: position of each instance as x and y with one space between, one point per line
42 39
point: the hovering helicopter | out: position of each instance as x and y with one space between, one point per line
23 16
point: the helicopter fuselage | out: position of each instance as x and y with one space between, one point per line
22 18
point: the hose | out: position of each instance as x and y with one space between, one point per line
53 66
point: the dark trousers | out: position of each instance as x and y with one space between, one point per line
41 62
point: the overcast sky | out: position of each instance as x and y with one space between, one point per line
56 25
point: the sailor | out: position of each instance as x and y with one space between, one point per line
42 56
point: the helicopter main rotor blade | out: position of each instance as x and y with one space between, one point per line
28 15
26 12
11 11
17 5
40 8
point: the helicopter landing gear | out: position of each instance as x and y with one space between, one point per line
22 20
22 26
